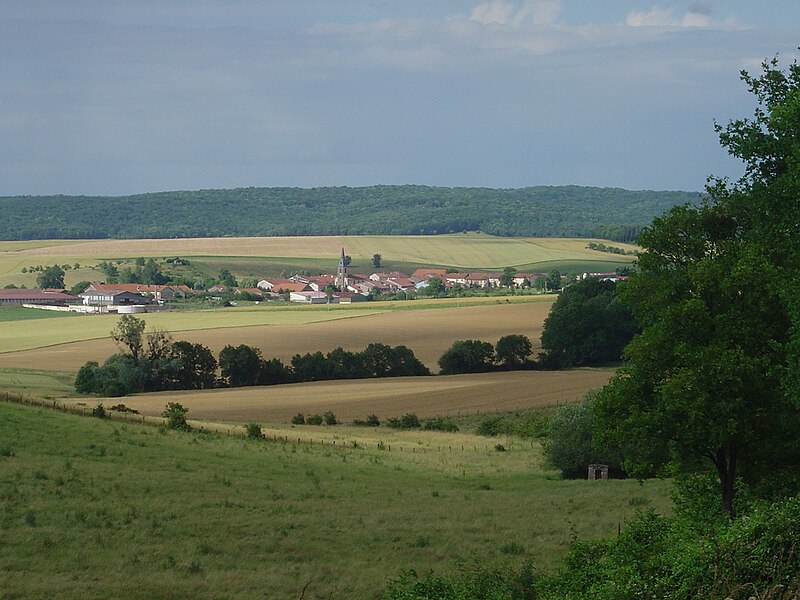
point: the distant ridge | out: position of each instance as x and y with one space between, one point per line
544 211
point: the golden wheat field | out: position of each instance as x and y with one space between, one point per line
428 332
426 396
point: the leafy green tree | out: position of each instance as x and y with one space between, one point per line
51 277
196 366
716 298
226 278
507 278
376 261
587 325
79 288
240 365
151 273
513 351
553 281
129 333
435 286
467 356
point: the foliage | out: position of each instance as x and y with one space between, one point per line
240 364
195 366
99 412
79 288
299 419
716 298
513 351
467 356
253 431
569 444
440 424
175 414
370 421
51 277
314 420
407 421
376 261
129 333
587 325
544 211
529 424
330 418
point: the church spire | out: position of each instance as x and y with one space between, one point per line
341 273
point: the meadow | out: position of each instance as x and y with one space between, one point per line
99 509
268 256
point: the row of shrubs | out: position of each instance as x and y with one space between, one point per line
407 421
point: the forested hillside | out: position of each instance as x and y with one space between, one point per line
569 211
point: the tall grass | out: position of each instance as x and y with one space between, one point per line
97 509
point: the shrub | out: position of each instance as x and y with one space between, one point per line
299 419
440 424
407 421
330 418
253 431
467 356
175 414
99 412
314 420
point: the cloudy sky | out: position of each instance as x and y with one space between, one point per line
119 97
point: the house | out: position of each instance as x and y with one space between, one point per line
161 293
40 297
280 285
310 297
422 274
113 298
252 291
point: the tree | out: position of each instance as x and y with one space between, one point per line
129 333
226 278
553 281
513 351
435 286
196 366
587 325
467 356
715 296
376 261
240 365
507 278
51 277
79 288
151 273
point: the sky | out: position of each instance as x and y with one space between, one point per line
112 97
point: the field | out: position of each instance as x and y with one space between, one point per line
259 256
427 327
451 395
94 509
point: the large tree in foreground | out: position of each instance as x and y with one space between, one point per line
705 380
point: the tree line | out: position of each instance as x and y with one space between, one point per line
544 211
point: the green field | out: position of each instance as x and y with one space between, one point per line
98 509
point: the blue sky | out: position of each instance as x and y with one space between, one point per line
113 97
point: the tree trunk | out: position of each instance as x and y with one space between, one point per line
725 461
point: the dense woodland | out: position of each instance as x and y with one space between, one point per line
567 211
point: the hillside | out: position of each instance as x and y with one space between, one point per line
568 211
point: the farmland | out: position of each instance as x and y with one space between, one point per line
427 327
269 256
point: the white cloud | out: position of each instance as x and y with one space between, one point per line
502 12
697 16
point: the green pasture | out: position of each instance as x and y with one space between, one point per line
27 334
98 509
37 382
20 313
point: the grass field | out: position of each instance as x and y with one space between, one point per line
93 509
427 327
251 256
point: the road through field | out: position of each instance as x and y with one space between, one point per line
428 332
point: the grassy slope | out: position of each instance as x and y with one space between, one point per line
92 509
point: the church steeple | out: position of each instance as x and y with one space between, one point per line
341 273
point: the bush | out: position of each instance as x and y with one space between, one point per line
330 418
440 424
314 420
407 421
370 421
253 431
175 414
467 356
99 412
299 419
